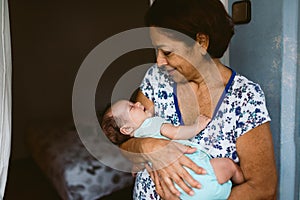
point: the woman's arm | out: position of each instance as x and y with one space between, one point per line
256 153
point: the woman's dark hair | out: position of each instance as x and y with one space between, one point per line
111 129
190 17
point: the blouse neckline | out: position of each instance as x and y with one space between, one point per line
219 102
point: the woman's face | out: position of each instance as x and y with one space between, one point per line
175 56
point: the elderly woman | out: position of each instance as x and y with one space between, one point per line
189 80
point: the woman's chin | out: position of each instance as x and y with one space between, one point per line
179 78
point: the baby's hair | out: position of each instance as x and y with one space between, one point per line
109 125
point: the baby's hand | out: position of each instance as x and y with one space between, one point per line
202 122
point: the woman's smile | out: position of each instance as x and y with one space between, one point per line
171 71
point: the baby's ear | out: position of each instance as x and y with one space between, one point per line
126 130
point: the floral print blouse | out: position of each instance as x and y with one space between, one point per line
241 108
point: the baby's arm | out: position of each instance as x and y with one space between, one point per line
184 132
225 169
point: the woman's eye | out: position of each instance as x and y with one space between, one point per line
166 53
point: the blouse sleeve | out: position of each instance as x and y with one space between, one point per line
251 111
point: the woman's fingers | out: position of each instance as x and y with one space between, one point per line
161 187
177 174
170 184
158 186
186 149
170 163
185 161
190 180
187 188
168 195
165 179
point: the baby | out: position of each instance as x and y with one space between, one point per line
125 119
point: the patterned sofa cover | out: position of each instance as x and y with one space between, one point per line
72 170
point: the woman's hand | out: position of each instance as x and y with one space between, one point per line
167 159
160 186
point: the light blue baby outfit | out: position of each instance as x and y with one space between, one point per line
210 189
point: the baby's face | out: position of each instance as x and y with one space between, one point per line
135 113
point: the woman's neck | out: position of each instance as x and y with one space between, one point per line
209 87
213 74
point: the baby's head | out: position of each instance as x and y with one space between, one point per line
121 120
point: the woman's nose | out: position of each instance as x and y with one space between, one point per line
161 59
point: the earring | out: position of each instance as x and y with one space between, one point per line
203 41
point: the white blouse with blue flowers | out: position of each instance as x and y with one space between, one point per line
241 108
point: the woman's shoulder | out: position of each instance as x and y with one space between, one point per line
244 85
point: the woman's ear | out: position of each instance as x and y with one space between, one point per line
126 130
203 40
